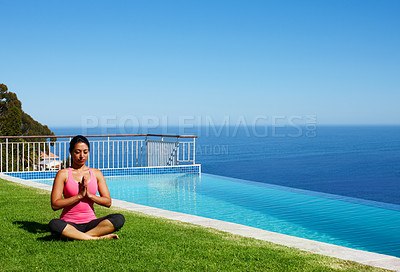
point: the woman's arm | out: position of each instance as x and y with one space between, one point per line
104 199
57 201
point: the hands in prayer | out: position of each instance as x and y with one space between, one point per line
84 188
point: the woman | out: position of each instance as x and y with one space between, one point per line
79 185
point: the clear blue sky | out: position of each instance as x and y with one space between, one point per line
74 61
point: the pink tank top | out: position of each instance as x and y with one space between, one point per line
82 211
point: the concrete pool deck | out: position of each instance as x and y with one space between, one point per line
364 257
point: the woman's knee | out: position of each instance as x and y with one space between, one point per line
117 220
57 225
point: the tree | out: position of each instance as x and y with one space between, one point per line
15 122
12 121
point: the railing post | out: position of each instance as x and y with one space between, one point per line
132 153
113 154
50 158
137 152
177 151
117 153
33 156
6 154
23 156
147 151
69 154
59 154
108 152
12 156
141 153
194 150
29 158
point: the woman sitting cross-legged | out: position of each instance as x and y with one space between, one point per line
79 185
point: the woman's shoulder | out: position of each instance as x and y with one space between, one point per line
63 173
96 171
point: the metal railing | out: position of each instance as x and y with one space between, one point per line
49 153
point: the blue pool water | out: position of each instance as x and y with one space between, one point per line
350 222
353 161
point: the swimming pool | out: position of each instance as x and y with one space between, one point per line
348 222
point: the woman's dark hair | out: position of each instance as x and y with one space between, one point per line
78 139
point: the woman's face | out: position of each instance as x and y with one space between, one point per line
80 153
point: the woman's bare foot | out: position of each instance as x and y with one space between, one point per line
109 236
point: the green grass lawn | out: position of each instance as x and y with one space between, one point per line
146 244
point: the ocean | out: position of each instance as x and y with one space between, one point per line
355 161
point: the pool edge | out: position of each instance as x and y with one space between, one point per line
364 257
